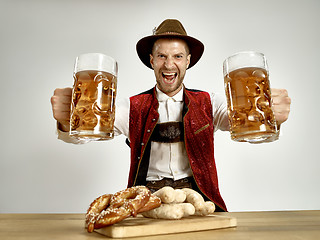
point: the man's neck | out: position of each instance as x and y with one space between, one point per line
172 94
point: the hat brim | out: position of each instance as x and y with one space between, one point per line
145 45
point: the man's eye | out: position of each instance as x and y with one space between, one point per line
161 56
179 56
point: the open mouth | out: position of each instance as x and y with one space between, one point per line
169 77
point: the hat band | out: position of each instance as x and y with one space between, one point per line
168 33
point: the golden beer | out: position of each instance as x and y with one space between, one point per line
248 94
93 105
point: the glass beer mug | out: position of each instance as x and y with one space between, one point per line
93 97
246 80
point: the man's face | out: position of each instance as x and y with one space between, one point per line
169 59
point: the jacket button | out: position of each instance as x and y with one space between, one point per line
153 120
148 130
142 144
138 158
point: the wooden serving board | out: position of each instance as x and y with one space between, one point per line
141 226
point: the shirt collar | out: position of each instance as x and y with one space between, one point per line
162 97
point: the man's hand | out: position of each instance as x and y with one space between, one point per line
280 104
61 102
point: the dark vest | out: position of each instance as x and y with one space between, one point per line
198 136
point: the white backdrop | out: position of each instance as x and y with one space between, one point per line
40 40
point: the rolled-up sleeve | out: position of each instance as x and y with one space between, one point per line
220 112
121 122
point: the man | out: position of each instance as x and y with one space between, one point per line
170 127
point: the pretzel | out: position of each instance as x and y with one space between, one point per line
136 197
109 209
111 216
95 208
154 202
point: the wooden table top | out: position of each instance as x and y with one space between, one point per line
251 225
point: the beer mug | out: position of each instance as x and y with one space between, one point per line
93 97
246 81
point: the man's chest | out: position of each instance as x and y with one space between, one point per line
170 111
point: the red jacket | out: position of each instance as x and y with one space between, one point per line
198 130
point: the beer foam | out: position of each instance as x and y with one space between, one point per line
96 61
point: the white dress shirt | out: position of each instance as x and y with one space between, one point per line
167 160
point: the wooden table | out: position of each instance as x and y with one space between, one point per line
280 225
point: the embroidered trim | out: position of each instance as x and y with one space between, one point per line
171 132
168 132
201 129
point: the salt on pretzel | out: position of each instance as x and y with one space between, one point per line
109 209
111 216
95 208
136 197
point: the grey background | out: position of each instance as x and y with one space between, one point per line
38 45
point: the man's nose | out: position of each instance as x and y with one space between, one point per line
169 63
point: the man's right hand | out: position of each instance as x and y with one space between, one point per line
61 104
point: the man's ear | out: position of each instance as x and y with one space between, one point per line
188 60
151 60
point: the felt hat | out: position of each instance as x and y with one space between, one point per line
169 28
